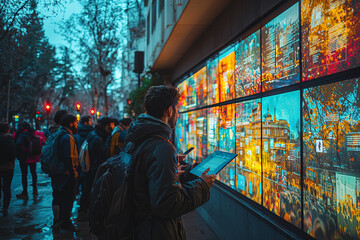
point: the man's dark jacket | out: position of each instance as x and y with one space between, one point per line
160 198
82 133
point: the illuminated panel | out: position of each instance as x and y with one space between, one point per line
183 95
330 36
213 129
181 133
201 135
281 155
227 142
191 136
213 83
280 50
331 136
248 148
247 66
190 93
201 87
226 74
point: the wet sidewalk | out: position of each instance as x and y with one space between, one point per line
32 219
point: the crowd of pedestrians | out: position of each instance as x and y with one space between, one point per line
160 194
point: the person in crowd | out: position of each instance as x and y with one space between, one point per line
7 163
83 130
160 199
118 136
57 118
64 184
27 158
98 154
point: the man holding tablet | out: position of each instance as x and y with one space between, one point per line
159 197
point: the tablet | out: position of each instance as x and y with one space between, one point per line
215 161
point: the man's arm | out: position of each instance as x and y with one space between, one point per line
168 198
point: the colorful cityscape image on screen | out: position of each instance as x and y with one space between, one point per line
330 36
191 135
247 66
213 129
201 87
280 50
331 157
201 135
212 79
281 155
183 96
248 148
226 74
227 141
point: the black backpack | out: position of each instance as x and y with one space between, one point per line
111 210
50 163
34 145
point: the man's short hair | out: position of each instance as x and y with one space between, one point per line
160 98
67 119
59 115
126 121
105 121
85 119
116 121
4 127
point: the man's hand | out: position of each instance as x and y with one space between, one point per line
180 157
181 169
209 179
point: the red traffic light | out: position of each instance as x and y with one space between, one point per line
92 111
129 101
78 106
47 107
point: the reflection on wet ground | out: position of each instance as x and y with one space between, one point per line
32 219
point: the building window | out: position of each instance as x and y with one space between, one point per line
148 30
161 6
153 16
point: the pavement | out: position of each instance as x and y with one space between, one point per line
32 219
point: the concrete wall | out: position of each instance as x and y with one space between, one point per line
231 217
238 18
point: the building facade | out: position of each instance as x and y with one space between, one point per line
277 83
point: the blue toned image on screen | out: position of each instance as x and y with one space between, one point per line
201 135
280 50
191 136
248 148
331 136
247 66
227 142
213 129
281 155
181 133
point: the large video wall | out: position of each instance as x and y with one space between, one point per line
224 107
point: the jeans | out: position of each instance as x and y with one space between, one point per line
64 198
24 172
5 186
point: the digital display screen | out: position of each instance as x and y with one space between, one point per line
201 135
280 50
191 136
191 93
330 36
201 87
183 96
213 129
331 128
226 74
281 155
227 141
248 148
247 66
213 83
181 133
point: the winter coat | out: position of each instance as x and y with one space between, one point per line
22 147
67 153
7 152
97 150
82 133
160 198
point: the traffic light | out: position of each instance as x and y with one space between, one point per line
129 101
92 111
38 116
78 107
47 108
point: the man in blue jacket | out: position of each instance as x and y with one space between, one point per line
64 184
